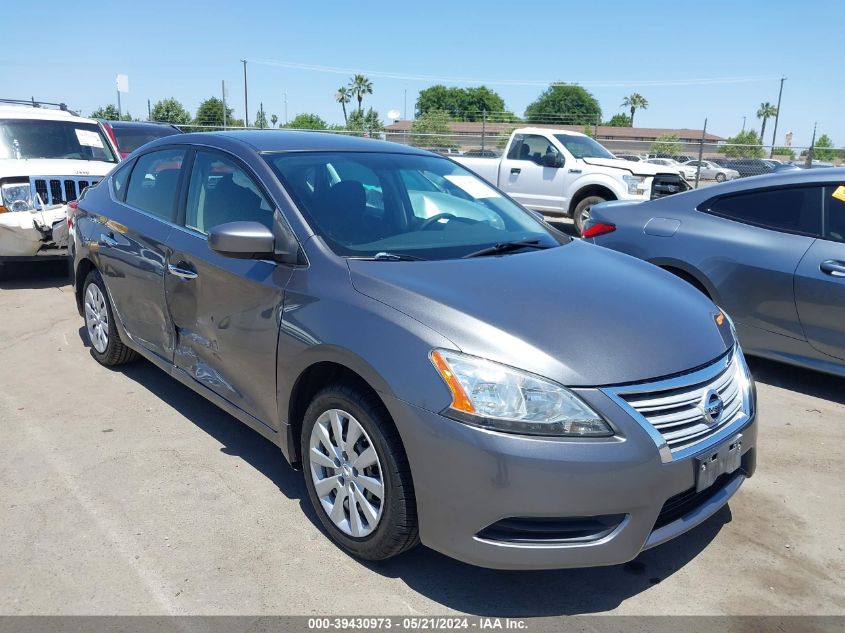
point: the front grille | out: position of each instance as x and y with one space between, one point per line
675 407
666 184
59 190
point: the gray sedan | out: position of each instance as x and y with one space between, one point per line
769 250
712 171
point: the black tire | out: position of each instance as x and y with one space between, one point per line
720 177
582 211
115 352
397 528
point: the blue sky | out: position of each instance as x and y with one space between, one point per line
58 51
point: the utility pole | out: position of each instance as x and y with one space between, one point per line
743 124
812 146
149 111
246 101
483 129
223 86
777 115
261 109
701 153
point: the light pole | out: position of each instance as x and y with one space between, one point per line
246 102
743 124
777 115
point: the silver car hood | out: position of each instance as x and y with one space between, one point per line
578 314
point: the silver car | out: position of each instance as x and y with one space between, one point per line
392 323
712 171
770 250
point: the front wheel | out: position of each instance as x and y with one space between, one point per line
582 211
357 474
720 177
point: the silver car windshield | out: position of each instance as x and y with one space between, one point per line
367 204
583 146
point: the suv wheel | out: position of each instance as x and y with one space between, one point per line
357 475
106 345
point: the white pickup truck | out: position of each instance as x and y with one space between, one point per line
563 172
47 157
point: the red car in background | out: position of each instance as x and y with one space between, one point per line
128 136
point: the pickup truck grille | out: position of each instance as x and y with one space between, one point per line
675 407
666 184
53 190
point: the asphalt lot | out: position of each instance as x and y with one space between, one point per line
123 492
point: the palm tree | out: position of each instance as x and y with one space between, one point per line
343 96
766 111
635 102
360 86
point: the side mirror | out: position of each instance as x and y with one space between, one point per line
550 159
242 240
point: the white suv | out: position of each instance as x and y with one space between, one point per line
47 157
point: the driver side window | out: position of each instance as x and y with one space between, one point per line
531 147
221 192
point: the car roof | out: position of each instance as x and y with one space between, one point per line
48 114
117 125
292 141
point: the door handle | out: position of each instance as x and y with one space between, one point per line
833 268
108 240
182 273
516 170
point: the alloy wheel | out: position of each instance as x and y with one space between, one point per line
346 473
96 318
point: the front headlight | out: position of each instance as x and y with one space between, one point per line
502 398
17 197
636 184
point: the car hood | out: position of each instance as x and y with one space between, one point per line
13 167
636 168
578 314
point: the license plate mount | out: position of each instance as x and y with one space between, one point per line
722 459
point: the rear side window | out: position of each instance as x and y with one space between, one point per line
834 216
791 210
154 182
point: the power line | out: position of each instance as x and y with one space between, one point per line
510 82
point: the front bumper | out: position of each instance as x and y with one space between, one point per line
467 479
25 234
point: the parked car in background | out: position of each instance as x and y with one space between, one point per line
130 135
712 171
750 166
632 157
721 161
482 153
769 250
682 158
563 172
48 156
433 410
688 173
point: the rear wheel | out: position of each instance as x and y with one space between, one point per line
720 177
357 475
106 345
582 211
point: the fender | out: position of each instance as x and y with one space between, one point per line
692 271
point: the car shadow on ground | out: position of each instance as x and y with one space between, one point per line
798 379
453 584
34 275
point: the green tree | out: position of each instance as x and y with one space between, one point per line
210 114
369 122
343 96
463 104
619 120
668 144
273 120
765 112
109 113
432 129
360 86
743 145
170 111
564 103
635 102
306 121
260 119
823 149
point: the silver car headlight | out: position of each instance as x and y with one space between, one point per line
502 398
17 197
636 184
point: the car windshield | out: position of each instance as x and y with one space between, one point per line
391 205
583 146
34 138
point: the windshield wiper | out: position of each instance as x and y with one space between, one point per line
393 257
506 247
